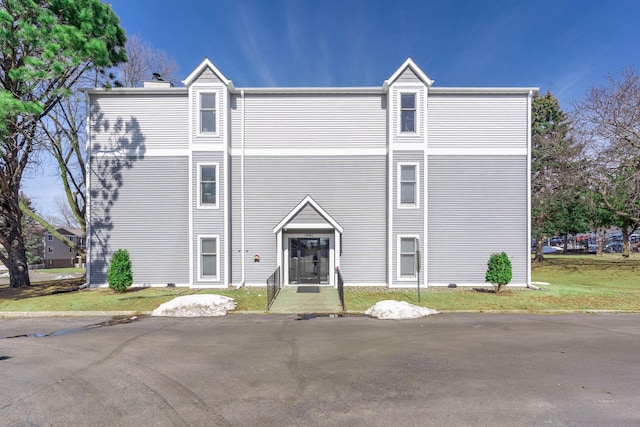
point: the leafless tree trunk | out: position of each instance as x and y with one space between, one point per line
539 249
144 60
64 134
608 122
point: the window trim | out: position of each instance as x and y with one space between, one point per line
199 185
416 240
49 237
200 238
214 109
415 112
416 204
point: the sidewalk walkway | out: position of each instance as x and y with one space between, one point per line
307 299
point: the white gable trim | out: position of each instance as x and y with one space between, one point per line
308 200
206 63
414 67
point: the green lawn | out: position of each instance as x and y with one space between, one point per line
577 282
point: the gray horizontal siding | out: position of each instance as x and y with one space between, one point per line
140 205
308 215
407 221
208 221
138 122
235 127
317 121
478 121
207 76
408 76
352 190
235 222
477 206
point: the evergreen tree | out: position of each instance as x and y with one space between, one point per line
45 47
553 160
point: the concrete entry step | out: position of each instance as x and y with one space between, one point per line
306 299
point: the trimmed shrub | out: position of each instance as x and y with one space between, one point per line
120 276
498 270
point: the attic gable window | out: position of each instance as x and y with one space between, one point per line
207 113
408 112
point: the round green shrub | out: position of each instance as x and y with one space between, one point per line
498 270
120 276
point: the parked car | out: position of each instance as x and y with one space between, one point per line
615 247
557 241
547 250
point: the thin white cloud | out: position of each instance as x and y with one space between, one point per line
252 40
302 38
572 85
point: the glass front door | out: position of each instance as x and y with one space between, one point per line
308 260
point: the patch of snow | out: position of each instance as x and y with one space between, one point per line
65 276
196 306
390 309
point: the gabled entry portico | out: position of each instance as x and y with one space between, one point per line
308 244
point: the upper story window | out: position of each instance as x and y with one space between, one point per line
49 237
408 185
408 112
207 113
207 177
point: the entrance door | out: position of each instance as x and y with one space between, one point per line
308 260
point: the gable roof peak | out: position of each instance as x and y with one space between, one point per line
409 63
308 200
206 63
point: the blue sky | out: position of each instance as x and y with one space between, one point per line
562 46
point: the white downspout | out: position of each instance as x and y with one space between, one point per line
529 142
242 219
87 200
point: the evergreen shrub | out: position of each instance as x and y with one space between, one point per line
498 270
120 276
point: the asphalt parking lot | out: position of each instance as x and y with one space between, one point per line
266 370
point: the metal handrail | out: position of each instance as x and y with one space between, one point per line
273 287
341 289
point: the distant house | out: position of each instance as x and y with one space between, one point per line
211 185
59 255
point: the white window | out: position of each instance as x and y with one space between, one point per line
207 113
207 185
407 246
408 112
50 249
208 260
49 237
408 185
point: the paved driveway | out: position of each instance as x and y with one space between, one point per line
257 370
